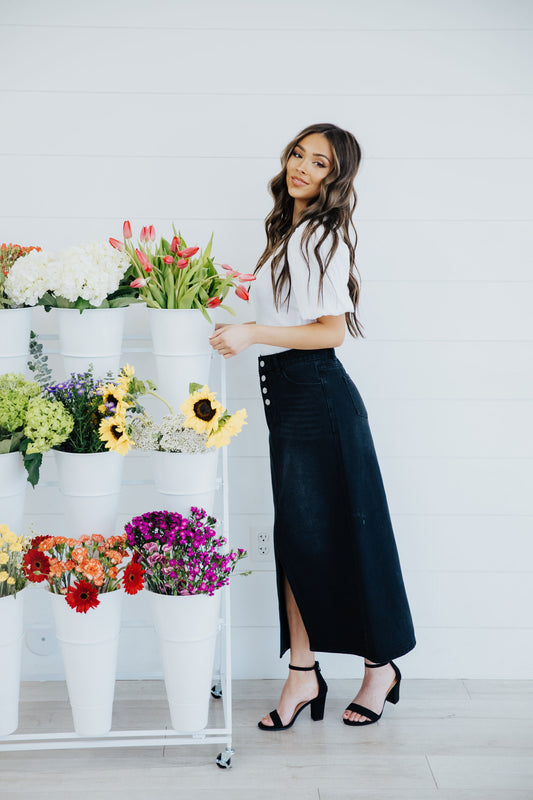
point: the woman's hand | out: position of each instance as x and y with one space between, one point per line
231 339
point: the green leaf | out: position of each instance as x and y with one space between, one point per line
207 251
5 446
170 290
32 463
193 387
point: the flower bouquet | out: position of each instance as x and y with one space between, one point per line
82 569
30 422
184 568
181 555
170 275
12 549
85 577
9 253
93 275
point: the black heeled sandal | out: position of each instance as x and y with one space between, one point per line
393 695
317 703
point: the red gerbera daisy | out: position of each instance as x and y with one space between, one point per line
133 578
36 565
82 596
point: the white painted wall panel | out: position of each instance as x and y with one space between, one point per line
64 59
445 127
284 14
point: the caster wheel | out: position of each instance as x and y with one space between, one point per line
216 691
223 760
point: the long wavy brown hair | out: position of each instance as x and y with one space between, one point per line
330 213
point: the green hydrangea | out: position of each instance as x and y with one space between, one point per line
15 394
48 424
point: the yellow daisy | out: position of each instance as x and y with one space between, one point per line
113 432
201 411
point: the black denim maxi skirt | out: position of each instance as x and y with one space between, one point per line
333 537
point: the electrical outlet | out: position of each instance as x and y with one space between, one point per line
263 545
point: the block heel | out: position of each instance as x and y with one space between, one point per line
317 704
393 695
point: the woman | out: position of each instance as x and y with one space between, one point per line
340 586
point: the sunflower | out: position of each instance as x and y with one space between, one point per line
202 412
113 432
236 421
228 428
82 596
124 377
113 400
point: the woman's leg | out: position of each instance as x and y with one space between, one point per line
374 689
299 686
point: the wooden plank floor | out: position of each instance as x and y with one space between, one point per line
445 740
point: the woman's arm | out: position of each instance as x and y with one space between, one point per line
327 331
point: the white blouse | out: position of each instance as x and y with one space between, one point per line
304 304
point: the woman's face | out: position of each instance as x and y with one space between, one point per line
309 163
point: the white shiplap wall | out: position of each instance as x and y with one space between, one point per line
178 111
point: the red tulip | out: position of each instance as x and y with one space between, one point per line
144 234
126 230
188 252
182 263
213 302
241 292
138 283
245 278
168 259
116 244
175 244
151 233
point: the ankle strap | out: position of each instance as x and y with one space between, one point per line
383 664
305 669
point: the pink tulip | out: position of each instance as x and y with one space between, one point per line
144 261
213 302
168 259
226 266
245 278
188 252
144 234
182 263
175 244
241 292
151 233
126 230
138 283
116 244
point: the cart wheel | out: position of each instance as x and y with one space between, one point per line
216 691
223 760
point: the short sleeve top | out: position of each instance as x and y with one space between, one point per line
305 305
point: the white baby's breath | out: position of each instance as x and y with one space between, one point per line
169 436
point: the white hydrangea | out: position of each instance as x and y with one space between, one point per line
91 271
28 278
